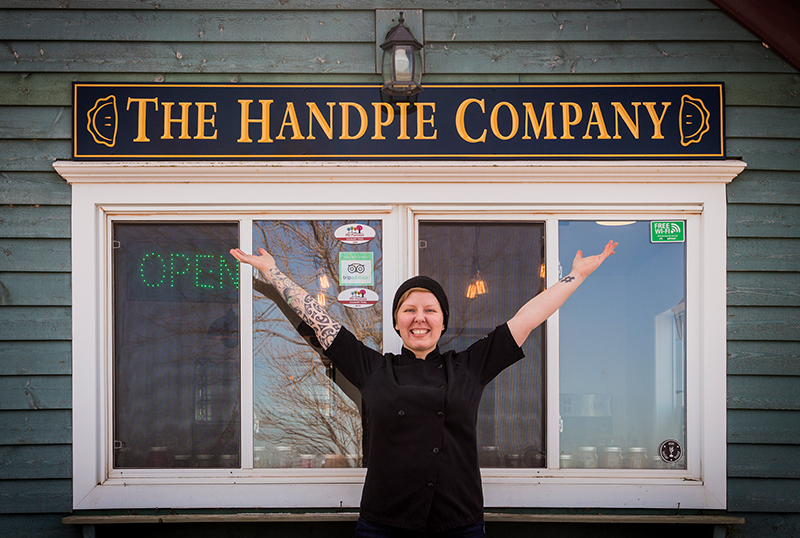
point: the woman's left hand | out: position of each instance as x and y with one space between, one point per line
585 266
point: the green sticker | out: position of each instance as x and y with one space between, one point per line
667 231
355 269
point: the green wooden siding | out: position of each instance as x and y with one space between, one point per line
47 46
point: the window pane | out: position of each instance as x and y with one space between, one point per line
305 414
622 350
488 271
176 346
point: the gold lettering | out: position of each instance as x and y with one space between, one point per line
514 120
246 121
596 118
403 121
346 121
421 121
141 135
327 126
461 128
202 121
293 123
619 111
651 109
379 123
530 116
567 122
183 120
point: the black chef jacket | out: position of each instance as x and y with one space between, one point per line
423 471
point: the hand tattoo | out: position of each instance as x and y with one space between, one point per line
568 279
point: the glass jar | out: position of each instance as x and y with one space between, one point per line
587 457
612 458
565 461
637 458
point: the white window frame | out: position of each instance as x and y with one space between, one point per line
400 193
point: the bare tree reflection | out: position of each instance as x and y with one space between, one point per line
299 403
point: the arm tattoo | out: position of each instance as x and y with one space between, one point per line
306 307
568 279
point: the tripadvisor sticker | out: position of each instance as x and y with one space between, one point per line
669 231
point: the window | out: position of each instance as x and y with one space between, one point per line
193 388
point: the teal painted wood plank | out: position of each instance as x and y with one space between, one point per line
763 427
36 255
35 462
764 187
759 220
766 153
207 26
763 323
747 254
33 155
39 427
760 289
83 56
35 289
45 221
34 496
608 57
764 392
55 89
35 323
36 357
39 526
745 89
763 495
764 461
35 392
34 188
762 525
562 25
341 4
763 358
35 122
762 122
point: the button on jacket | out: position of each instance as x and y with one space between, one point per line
423 471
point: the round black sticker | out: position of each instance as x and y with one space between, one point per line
670 451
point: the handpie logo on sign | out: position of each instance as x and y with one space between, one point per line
693 120
103 121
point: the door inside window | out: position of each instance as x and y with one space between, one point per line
623 350
305 414
489 270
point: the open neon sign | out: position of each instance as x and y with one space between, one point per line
178 269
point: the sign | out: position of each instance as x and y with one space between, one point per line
354 234
355 269
350 121
667 231
358 298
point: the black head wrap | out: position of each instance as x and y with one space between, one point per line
429 284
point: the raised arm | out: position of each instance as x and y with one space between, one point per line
301 302
542 306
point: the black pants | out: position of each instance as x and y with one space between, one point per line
366 529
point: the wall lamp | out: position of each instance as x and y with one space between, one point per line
402 62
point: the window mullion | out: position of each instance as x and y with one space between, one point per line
246 344
552 414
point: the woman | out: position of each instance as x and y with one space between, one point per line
423 477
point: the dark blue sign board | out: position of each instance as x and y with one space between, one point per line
352 122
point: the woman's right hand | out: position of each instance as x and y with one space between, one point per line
263 261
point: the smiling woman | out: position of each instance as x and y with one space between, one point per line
423 471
